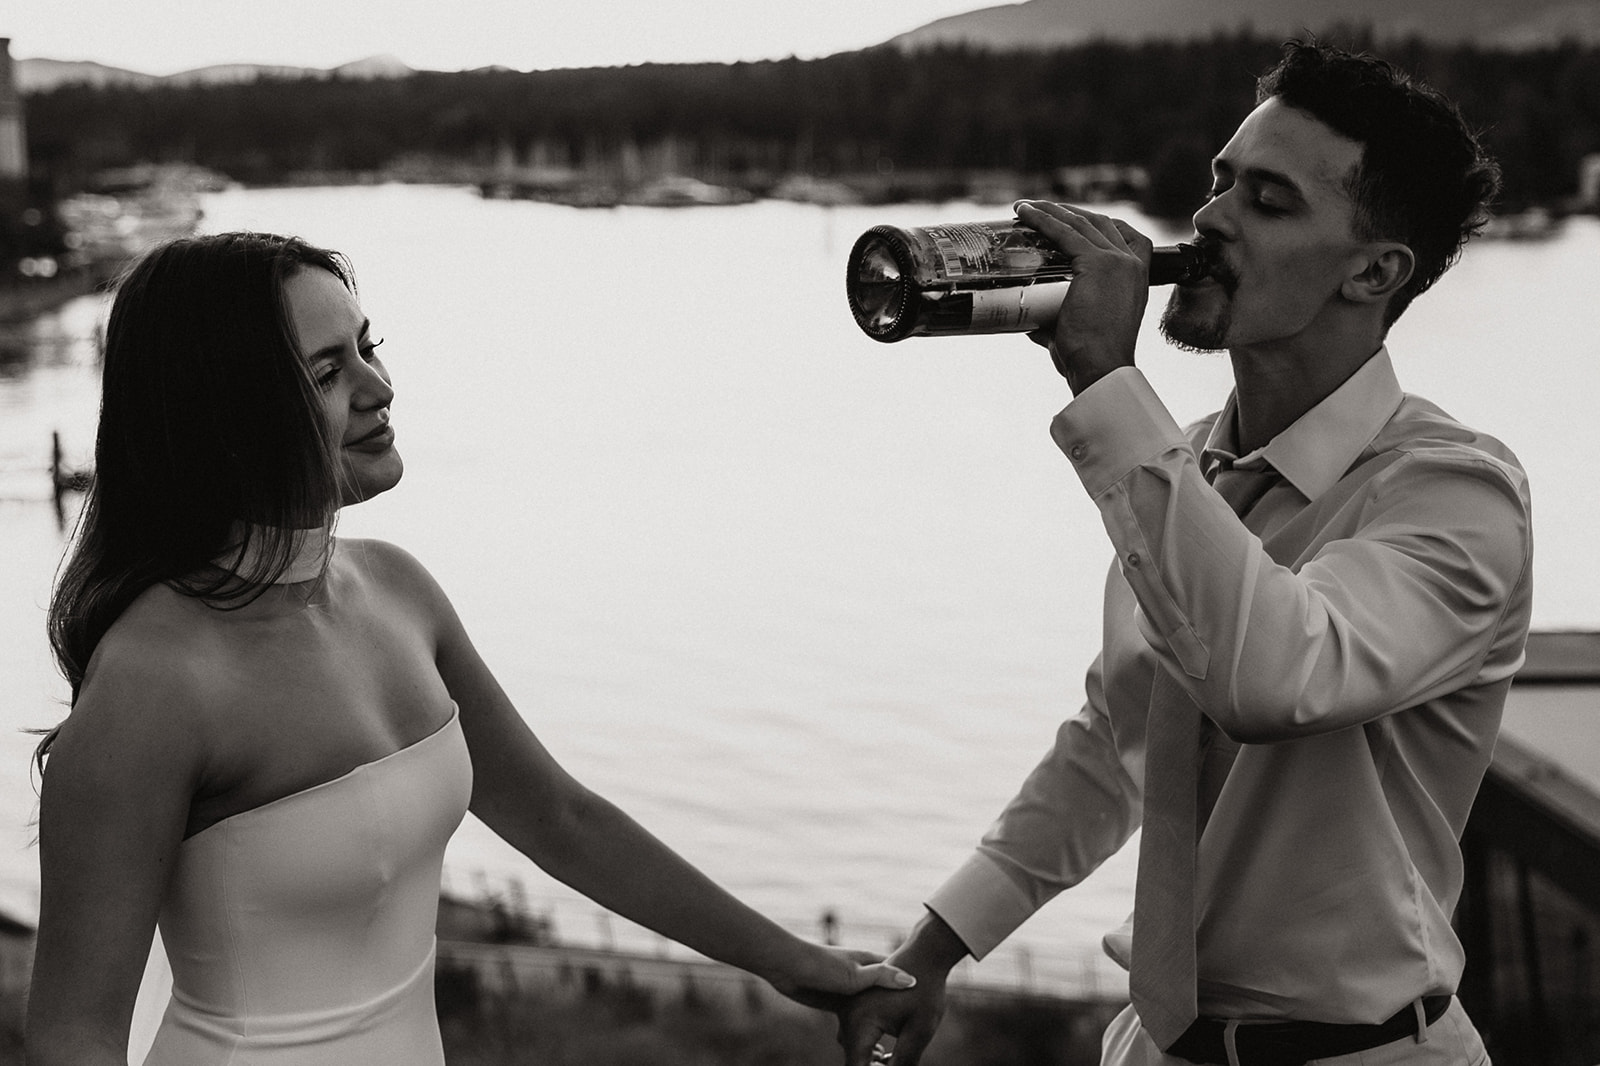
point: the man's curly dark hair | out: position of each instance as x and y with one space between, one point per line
1423 180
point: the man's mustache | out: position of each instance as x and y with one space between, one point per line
1216 265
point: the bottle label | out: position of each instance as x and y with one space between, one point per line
966 251
1017 308
963 249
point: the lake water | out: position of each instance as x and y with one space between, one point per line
808 606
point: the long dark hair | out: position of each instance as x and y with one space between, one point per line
210 425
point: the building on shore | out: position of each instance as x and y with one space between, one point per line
13 143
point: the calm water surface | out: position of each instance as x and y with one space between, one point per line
808 606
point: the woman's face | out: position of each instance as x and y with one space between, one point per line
336 340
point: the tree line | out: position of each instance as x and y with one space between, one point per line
1164 106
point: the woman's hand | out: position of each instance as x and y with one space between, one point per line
824 977
910 1020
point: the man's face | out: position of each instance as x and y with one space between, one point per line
1282 218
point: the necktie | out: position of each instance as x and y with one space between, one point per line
1243 487
1162 976
1163 972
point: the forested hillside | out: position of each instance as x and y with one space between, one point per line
1165 106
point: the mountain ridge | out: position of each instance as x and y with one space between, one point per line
1042 24
42 75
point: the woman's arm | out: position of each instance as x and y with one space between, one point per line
112 810
586 842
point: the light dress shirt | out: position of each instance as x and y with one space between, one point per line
1357 646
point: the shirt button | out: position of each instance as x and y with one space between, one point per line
1077 452
1133 558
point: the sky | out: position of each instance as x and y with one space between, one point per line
168 36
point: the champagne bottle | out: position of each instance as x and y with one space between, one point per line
972 277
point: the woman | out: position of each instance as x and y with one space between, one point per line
274 732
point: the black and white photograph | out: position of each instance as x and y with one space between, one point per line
1049 533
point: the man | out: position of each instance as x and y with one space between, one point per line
1319 599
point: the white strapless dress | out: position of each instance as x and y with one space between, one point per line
301 933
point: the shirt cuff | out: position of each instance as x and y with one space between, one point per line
980 904
1114 426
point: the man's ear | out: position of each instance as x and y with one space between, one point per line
1384 272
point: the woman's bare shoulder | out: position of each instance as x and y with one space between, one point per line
149 683
381 554
161 641
393 569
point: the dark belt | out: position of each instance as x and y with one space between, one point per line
1296 1043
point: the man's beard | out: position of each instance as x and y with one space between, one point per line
1181 322
1185 329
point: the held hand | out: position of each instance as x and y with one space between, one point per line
909 1017
1098 324
825 977
930 953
